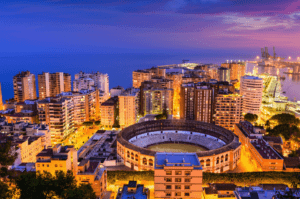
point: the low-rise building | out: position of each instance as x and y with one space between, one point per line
265 156
177 175
133 190
58 158
219 190
26 147
89 171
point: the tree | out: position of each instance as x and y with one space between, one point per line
285 118
87 123
97 123
5 192
285 130
267 124
45 186
251 117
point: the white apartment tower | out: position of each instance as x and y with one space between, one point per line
252 89
101 80
83 84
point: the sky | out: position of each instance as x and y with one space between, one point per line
94 26
117 37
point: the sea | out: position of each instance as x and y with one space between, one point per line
118 66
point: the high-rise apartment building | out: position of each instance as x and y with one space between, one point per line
252 89
52 84
1 100
86 105
177 81
24 86
224 74
101 80
197 102
228 108
58 113
127 110
237 70
157 100
139 76
177 175
83 84
156 96
110 112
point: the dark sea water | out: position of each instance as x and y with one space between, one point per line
119 66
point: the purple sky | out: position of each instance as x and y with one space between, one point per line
91 26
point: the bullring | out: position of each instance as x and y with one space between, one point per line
222 146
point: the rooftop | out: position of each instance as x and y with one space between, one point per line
265 150
139 194
252 77
177 159
276 140
214 188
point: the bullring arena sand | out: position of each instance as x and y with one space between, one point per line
176 147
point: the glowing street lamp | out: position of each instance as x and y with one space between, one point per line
290 58
257 57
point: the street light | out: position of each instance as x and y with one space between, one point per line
257 57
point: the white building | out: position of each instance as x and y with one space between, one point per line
116 91
101 80
83 84
252 89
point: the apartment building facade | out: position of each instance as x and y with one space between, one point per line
101 80
252 89
24 86
177 175
237 70
83 84
90 171
52 84
58 158
110 112
228 108
127 110
58 114
86 105
197 102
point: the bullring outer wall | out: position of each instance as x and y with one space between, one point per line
217 160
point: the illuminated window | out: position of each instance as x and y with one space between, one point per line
177 186
187 180
168 172
178 172
177 179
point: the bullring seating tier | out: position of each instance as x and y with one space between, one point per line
157 137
